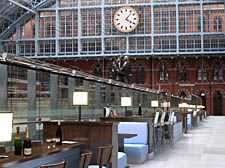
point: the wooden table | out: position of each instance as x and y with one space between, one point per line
43 155
121 140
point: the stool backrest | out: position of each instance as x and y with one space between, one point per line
61 164
171 116
156 118
85 159
162 119
104 155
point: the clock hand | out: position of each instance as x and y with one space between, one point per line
128 17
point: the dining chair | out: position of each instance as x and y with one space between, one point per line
103 157
85 159
61 164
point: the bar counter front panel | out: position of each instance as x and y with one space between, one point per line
42 155
94 134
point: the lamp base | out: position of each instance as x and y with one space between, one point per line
3 157
79 112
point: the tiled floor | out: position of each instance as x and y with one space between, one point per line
202 147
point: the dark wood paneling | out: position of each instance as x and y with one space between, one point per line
2 149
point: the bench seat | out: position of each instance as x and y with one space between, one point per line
136 148
136 153
122 160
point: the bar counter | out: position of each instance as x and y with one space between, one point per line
95 134
42 155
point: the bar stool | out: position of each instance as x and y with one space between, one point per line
85 159
155 134
162 126
103 157
169 124
61 164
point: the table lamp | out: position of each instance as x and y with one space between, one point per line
166 105
5 128
126 102
154 104
80 98
183 105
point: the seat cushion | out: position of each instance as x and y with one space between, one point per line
95 166
136 153
122 160
139 128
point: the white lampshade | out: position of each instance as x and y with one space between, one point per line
192 106
165 104
183 105
6 126
80 98
126 101
200 106
162 104
154 103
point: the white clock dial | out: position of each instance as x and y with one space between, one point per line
126 19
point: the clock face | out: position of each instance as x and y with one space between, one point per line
126 19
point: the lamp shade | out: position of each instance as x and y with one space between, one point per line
6 126
192 106
126 101
154 103
80 98
200 106
165 104
183 105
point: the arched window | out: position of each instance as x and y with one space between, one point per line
183 94
202 95
217 23
182 73
97 69
140 74
217 72
163 72
201 73
218 103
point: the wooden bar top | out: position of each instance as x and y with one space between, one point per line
37 152
127 135
79 123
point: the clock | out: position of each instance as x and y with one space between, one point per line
126 19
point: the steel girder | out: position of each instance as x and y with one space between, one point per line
14 11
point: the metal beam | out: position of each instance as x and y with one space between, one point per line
21 5
6 17
42 3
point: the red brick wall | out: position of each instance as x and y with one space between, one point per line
173 86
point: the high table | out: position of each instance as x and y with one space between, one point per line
121 140
42 155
